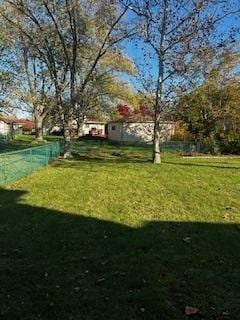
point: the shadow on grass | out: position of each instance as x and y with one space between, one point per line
101 158
206 164
111 157
55 265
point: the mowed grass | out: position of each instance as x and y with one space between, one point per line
24 141
108 235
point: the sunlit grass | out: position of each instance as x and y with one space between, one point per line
108 235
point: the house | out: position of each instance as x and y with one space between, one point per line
132 131
9 128
93 128
5 127
12 126
89 128
28 126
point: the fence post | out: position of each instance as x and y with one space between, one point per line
5 168
46 154
31 157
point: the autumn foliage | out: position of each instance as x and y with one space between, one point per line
127 112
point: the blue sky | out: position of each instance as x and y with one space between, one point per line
231 21
136 55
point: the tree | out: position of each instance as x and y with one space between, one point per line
33 84
67 35
124 110
6 73
211 111
171 34
105 88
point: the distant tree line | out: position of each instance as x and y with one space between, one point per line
211 112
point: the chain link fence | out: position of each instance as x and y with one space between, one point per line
17 164
183 147
5 138
178 147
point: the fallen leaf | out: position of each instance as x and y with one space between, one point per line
187 239
191 311
226 216
100 280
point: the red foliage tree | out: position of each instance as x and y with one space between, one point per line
124 110
138 114
145 112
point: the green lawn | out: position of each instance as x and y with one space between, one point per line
23 142
108 235
20 142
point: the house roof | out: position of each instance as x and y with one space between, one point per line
123 120
7 120
95 122
25 123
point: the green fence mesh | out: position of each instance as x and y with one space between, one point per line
4 138
183 147
188 147
17 164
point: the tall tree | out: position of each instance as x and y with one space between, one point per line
171 33
33 85
6 72
105 87
211 111
64 34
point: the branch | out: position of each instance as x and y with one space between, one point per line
102 49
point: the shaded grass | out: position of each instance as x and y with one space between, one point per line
107 235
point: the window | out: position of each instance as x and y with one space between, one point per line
113 128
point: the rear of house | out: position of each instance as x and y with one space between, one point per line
93 128
88 128
137 132
5 127
27 126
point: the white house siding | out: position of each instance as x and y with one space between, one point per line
4 128
167 131
115 131
87 127
138 132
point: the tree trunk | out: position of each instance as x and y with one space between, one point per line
156 158
80 121
80 129
67 140
38 128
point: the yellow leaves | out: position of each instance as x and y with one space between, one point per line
118 62
120 90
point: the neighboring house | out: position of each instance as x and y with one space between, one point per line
9 127
94 128
5 127
28 126
133 131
